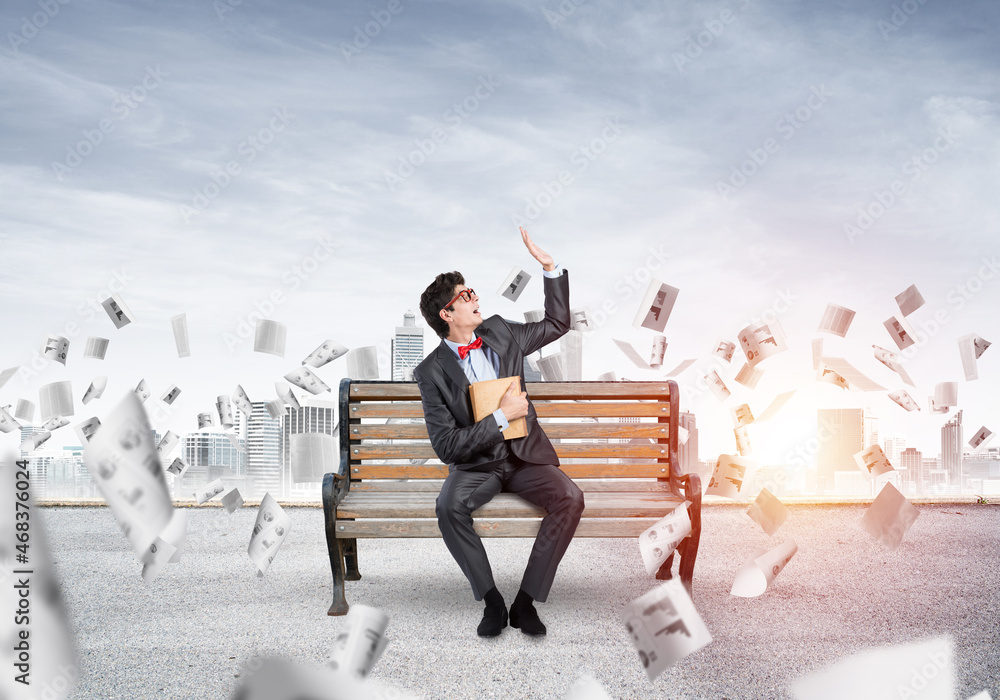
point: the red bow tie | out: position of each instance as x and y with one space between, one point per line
463 350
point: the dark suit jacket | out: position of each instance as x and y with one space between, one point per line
458 440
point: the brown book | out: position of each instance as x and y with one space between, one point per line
486 399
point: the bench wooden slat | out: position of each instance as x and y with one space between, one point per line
544 409
416 504
574 471
586 485
492 527
579 431
563 450
395 391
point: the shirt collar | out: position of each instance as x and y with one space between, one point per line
454 346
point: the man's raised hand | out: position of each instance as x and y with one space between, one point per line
537 253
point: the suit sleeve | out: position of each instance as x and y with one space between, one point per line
453 444
533 336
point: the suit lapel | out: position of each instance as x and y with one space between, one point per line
491 341
446 359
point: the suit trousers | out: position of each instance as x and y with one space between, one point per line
545 486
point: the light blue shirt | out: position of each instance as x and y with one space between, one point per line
482 364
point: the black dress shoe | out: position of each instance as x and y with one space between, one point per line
525 617
494 620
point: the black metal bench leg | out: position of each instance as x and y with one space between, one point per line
334 548
689 552
664 573
350 549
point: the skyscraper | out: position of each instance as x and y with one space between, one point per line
407 348
951 449
841 433
687 454
207 453
571 356
317 417
263 458
893 447
911 466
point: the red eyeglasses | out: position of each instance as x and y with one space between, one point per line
464 295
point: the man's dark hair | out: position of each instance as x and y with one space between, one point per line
434 298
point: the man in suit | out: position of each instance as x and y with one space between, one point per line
481 463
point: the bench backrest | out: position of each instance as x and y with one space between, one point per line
599 429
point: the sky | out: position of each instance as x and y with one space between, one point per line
318 163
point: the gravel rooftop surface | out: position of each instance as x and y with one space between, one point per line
190 633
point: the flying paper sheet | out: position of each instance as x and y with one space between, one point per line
715 384
178 467
167 548
304 378
269 337
680 368
631 353
362 363
909 300
836 320
231 500
235 441
817 349
209 491
205 420
830 376
872 462
25 410
922 671
142 390
762 568
360 642
900 331
7 422
854 378
776 405
768 512
607 377
275 679
981 438
168 442
946 394
55 423
551 368
312 455
655 307
967 351
96 348
742 415
242 401
118 312
179 324
934 407
7 374
661 539
904 399
980 344
170 395
889 516
95 390
123 461
86 429
55 348
34 441
586 687
286 396
327 352
56 399
514 284
534 316
725 350
275 408
761 341
580 319
225 411
742 441
658 351
749 376
53 667
893 362
728 476
665 627
269 532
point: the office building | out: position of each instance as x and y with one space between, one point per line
317 417
263 452
407 348
952 444
842 433
911 468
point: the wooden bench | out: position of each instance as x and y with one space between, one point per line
389 476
